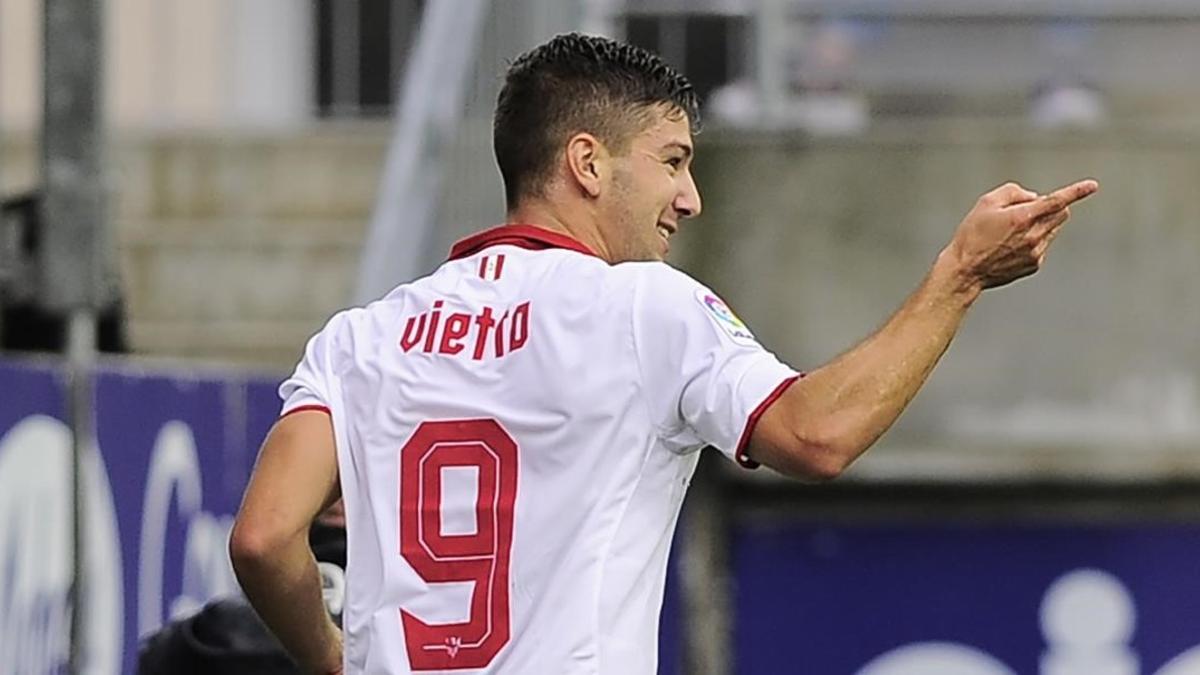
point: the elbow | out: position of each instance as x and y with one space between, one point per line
816 446
821 463
249 547
821 457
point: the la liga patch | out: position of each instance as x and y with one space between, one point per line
724 317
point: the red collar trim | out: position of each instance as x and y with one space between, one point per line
529 237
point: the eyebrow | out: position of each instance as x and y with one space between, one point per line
676 145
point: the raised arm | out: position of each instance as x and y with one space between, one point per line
295 479
824 421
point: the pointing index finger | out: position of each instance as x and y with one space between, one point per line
1062 197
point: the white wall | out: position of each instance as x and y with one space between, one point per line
173 64
20 61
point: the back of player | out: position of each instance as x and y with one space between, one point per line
511 490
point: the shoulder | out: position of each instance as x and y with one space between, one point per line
337 337
653 295
657 282
340 323
666 298
660 289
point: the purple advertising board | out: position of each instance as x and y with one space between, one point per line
995 599
177 452
174 452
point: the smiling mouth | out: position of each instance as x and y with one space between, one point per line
665 232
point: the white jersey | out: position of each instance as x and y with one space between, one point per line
515 434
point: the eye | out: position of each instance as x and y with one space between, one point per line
675 162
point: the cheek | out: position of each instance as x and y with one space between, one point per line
673 185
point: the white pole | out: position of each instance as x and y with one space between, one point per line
430 106
81 356
74 266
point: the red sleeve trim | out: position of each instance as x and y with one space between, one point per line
302 408
744 442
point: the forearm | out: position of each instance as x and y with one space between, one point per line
850 402
284 587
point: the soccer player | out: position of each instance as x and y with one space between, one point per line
514 433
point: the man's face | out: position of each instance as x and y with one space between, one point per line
652 189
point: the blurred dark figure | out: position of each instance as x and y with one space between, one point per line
228 638
225 636
24 324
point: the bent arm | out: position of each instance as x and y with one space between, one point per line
294 480
825 421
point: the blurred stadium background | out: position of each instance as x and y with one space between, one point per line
193 187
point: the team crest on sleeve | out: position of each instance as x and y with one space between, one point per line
724 317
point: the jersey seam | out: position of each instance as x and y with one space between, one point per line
642 394
608 550
662 432
341 343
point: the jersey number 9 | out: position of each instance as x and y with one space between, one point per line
481 557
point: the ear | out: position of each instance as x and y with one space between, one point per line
587 162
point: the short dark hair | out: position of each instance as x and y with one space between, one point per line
578 83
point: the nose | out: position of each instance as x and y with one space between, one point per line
687 200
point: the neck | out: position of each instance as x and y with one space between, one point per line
575 223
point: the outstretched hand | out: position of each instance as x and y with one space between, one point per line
1006 235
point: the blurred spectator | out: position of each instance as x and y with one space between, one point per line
825 97
1065 98
227 637
736 104
821 96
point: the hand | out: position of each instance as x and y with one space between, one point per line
1006 235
